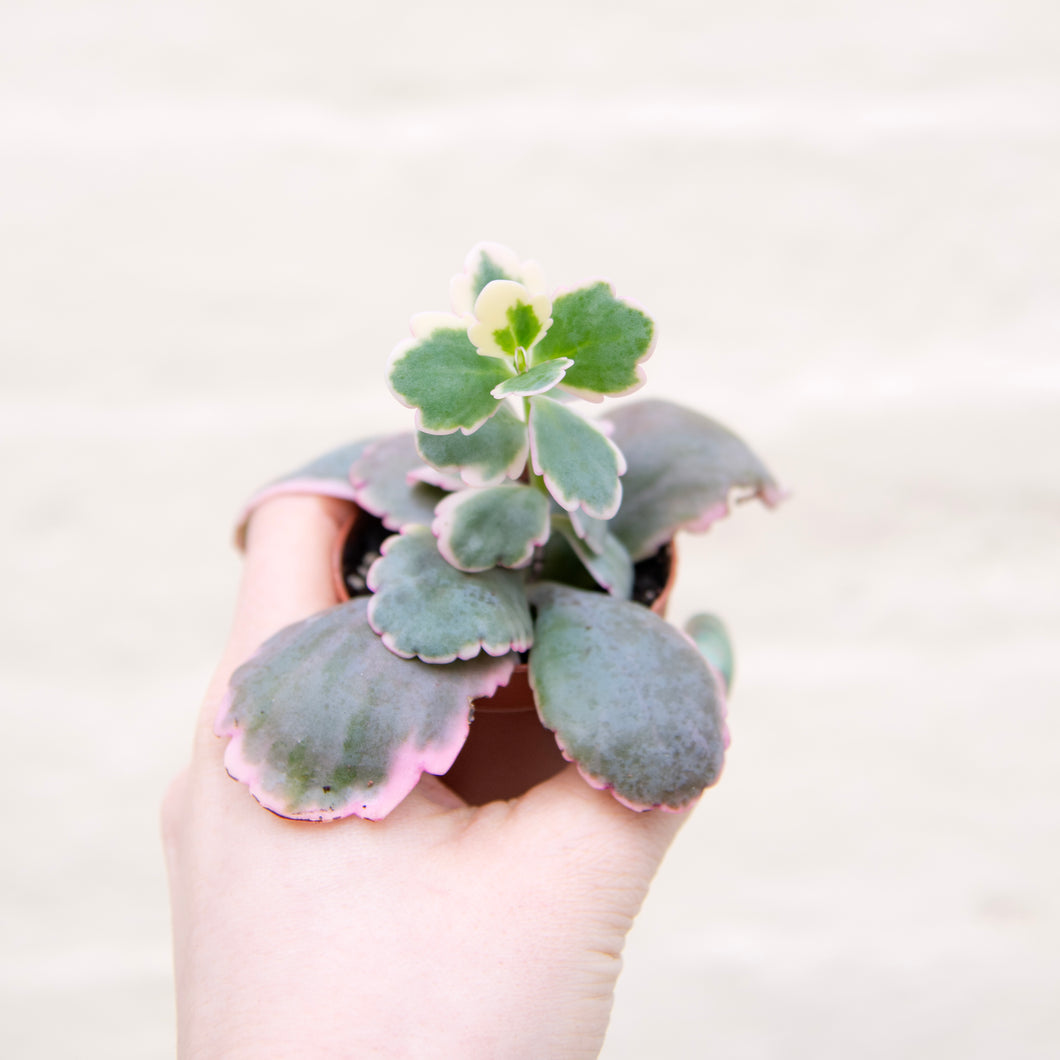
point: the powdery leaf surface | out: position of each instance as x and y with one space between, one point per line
497 450
384 483
682 469
580 466
630 699
425 607
498 526
326 723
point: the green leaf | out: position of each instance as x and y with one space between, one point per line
425 607
606 338
497 450
537 380
713 640
382 484
629 698
610 565
443 377
580 466
682 469
494 527
325 722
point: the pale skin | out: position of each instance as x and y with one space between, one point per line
445 931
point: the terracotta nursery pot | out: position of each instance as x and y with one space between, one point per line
508 750
509 525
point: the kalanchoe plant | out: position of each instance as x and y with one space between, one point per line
516 527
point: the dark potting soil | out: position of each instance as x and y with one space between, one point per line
361 551
368 534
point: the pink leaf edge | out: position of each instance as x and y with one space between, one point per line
409 763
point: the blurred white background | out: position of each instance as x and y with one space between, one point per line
215 219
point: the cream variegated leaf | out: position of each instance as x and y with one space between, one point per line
499 526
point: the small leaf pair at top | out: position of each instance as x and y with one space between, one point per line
537 380
632 702
682 469
509 322
326 723
384 483
498 526
440 374
425 607
579 465
605 337
509 317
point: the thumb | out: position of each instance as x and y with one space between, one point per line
286 577
632 840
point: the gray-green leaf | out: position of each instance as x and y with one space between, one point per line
610 565
630 699
682 469
425 607
497 450
325 722
498 526
382 485
580 466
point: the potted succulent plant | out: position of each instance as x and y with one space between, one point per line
509 531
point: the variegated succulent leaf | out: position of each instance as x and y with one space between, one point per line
591 530
423 606
486 262
440 374
610 565
711 637
497 450
326 476
326 723
509 318
682 470
630 699
385 485
537 380
579 465
446 481
606 337
495 526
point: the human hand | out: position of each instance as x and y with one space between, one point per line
443 931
